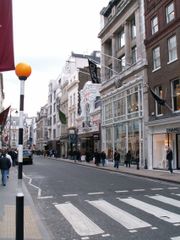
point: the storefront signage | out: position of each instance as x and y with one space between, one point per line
173 130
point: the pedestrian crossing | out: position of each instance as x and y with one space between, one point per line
85 226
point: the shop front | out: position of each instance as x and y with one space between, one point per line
123 124
160 137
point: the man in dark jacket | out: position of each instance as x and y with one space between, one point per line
116 158
169 157
5 164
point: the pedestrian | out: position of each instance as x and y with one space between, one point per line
103 158
97 157
5 165
116 158
128 158
10 158
169 157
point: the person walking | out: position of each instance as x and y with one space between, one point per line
5 165
97 158
169 157
103 158
116 159
128 159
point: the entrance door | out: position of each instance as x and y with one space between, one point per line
178 151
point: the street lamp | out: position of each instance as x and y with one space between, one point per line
23 71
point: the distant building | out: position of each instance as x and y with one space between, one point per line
73 77
41 129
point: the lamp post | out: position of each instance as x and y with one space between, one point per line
23 71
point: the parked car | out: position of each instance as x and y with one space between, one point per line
27 157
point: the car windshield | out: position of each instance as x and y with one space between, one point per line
26 153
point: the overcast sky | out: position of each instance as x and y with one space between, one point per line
45 34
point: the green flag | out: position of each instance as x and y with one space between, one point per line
62 117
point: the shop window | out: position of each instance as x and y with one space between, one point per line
160 144
109 143
108 111
133 138
119 107
176 94
132 101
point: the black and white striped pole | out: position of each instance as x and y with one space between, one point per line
23 71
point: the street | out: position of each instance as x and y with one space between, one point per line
78 202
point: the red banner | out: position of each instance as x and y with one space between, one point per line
6 36
3 117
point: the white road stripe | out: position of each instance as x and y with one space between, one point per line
121 191
167 200
106 235
124 218
95 193
45 197
175 238
156 189
81 224
173 188
151 209
138 190
70 195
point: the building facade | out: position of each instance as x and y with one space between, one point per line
162 19
74 75
123 76
41 129
88 122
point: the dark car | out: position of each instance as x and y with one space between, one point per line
27 157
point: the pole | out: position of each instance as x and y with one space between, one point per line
20 195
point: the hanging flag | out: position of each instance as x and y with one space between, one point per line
157 98
6 36
62 117
3 117
93 72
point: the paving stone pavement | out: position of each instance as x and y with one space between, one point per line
34 228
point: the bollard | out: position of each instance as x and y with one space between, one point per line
20 216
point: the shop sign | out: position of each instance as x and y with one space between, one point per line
173 130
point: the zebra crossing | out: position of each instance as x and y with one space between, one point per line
86 227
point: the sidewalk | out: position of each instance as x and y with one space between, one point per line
33 226
153 174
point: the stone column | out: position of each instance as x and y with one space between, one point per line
127 43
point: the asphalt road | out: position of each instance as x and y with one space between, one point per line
78 203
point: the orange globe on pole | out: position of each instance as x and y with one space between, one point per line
23 71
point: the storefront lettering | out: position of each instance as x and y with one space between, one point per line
173 130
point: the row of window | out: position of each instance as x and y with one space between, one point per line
170 15
175 93
172 53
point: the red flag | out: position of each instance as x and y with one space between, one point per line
3 117
6 36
